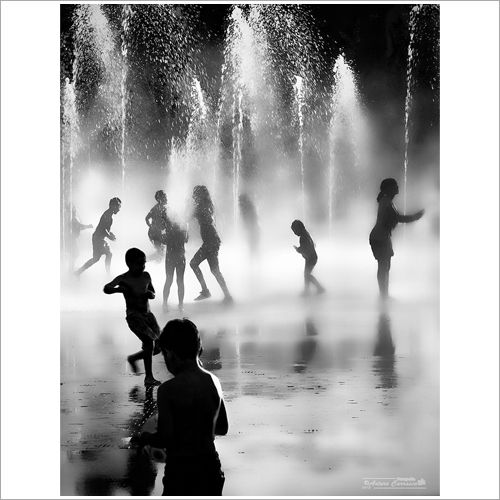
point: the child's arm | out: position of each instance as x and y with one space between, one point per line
221 424
300 249
82 226
164 432
148 217
110 235
409 217
150 290
115 286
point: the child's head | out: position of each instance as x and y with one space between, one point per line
179 342
202 199
298 227
135 260
388 187
161 197
115 204
244 200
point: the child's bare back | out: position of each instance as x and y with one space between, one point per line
137 291
191 412
193 400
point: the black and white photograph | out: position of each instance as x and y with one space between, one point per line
261 185
250 251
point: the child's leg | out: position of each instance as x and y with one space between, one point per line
384 266
181 266
316 283
197 259
312 279
213 262
133 358
159 247
107 260
88 264
147 348
139 326
169 272
308 267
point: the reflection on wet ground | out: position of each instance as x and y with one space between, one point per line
321 399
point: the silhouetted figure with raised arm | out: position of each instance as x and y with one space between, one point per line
157 221
209 250
100 246
137 289
308 251
380 237
175 262
76 227
191 413
250 222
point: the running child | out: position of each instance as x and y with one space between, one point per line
307 250
209 250
100 246
380 236
137 289
191 413
175 262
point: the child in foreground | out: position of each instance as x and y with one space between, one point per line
137 289
307 250
191 412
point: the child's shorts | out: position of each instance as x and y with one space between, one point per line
100 247
382 249
145 326
193 476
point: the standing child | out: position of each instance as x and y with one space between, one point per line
76 227
137 289
307 250
380 236
209 250
103 230
191 413
175 261
157 222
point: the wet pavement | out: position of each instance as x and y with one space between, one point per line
331 395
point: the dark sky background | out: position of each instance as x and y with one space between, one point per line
373 37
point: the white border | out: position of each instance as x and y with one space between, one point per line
469 249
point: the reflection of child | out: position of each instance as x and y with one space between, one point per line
191 412
380 236
137 289
307 250
175 261
103 230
